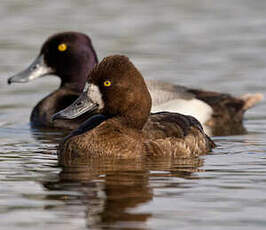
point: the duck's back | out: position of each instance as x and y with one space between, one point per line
175 135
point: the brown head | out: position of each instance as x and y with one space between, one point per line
117 89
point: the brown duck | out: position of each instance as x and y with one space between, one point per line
117 130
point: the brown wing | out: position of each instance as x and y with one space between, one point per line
167 124
175 135
195 143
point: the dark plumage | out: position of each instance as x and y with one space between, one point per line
71 65
228 111
125 111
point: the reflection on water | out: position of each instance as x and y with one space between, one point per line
218 45
109 190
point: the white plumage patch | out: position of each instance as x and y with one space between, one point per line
94 94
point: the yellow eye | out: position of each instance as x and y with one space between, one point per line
107 83
62 47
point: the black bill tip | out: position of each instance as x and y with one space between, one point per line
9 81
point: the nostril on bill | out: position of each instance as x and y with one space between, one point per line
34 67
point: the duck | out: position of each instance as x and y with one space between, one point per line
123 106
71 56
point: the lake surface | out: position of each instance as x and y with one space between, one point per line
211 44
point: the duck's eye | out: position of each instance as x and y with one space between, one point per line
62 47
107 83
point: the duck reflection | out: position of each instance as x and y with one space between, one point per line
111 191
48 135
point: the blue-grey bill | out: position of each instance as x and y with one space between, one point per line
80 106
36 70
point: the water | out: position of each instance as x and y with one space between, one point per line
217 45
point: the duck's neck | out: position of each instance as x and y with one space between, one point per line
76 77
134 118
135 113
75 86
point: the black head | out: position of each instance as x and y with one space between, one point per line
118 89
69 55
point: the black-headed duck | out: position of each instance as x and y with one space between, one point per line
123 106
70 55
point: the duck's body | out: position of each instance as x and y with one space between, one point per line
71 56
120 131
219 113
110 139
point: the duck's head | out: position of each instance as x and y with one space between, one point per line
69 55
116 89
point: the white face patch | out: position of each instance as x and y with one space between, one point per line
94 93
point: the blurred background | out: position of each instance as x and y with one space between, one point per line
209 44
218 45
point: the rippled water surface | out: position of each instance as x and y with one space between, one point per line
212 44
